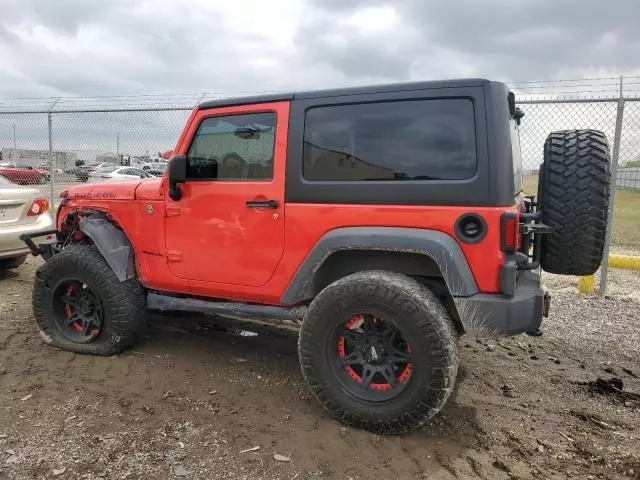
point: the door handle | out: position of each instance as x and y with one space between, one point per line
263 204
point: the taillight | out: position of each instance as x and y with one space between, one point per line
510 231
38 207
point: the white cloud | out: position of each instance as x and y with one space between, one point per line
66 47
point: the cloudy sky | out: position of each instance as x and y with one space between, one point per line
109 47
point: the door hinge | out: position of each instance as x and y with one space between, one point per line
173 210
174 256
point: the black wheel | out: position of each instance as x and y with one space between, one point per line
79 304
573 194
379 352
42 179
12 262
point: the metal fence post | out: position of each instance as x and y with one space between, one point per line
52 166
604 266
52 169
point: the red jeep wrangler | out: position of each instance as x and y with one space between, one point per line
386 220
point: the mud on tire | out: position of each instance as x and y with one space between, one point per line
122 304
390 301
573 194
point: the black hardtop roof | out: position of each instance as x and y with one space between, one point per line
335 92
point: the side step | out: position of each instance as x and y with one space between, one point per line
163 303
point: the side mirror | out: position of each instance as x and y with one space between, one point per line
177 173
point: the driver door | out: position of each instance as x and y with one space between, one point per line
228 227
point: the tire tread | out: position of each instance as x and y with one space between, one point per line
574 200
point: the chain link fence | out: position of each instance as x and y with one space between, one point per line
51 144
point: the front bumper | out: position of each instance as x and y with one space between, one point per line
11 243
496 314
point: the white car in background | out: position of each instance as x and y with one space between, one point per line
22 211
155 163
115 173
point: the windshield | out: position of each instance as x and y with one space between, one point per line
108 168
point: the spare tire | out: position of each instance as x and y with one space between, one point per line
573 195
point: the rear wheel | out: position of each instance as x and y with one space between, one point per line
12 262
79 304
378 351
573 194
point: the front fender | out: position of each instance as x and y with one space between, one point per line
112 243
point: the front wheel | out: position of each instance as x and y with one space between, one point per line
379 352
79 305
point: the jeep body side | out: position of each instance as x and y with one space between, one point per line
387 220
210 243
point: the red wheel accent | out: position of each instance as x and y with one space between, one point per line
355 322
341 353
67 310
67 307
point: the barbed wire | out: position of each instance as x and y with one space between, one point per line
576 88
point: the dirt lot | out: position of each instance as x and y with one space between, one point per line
195 394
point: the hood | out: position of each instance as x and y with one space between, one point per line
104 191
146 189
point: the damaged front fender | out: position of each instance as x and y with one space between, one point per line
112 243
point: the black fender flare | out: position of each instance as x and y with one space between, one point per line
442 248
112 244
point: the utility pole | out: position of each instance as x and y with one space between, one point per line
118 143
15 150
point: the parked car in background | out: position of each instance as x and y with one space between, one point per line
156 172
149 163
85 170
22 210
23 174
116 173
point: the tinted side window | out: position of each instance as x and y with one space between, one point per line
233 147
405 140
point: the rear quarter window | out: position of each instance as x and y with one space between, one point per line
391 141
516 155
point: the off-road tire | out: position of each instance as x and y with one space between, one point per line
573 194
424 323
13 262
123 302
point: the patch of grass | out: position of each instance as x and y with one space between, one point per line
626 215
626 219
530 184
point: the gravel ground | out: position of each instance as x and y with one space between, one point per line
189 400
